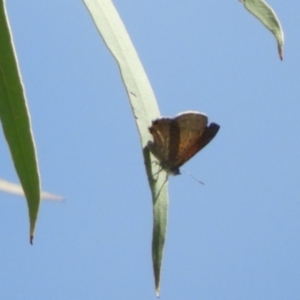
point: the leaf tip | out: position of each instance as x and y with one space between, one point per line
157 292
31 240
280 51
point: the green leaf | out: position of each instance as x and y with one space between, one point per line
15 121
145 110
261 10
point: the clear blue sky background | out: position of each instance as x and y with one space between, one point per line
237 237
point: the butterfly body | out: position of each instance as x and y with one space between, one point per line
176 140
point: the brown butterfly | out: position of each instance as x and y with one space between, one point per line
176 140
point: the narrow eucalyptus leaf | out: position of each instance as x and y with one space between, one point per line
15 120
16 189
261 10
145 110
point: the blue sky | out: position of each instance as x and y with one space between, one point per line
237 237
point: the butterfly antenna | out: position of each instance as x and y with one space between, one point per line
196 179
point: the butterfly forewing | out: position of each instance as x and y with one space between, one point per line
195 145
192 126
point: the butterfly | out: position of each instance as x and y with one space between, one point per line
176 140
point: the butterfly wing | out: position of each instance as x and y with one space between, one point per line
194 136
176 140
160 130
191 127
